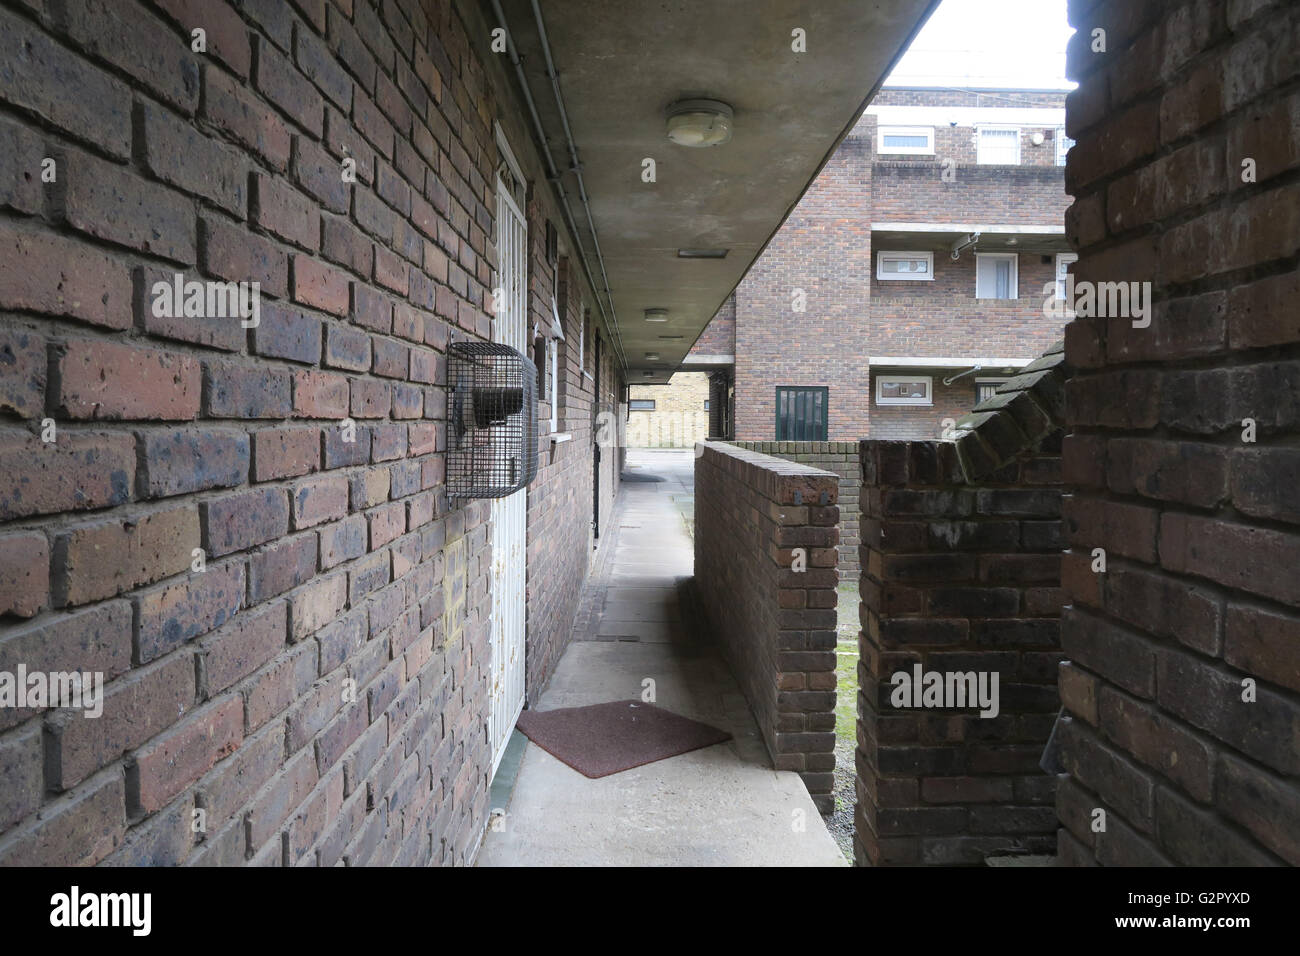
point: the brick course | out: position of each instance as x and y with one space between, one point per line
776 625
1197 524
840 457
292 625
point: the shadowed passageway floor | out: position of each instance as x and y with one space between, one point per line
723 805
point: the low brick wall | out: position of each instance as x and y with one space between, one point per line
776 624
960 576
840 457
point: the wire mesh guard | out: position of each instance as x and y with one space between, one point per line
492 412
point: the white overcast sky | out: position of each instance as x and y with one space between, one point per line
989 43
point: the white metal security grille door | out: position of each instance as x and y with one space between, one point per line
510 514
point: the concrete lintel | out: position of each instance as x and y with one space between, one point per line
946 361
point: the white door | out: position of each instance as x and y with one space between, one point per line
510 514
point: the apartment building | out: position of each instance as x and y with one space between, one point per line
918 273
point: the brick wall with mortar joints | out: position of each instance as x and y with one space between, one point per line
1199 527
776 625
840 457
326 561
961 572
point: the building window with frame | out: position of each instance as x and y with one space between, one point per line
997 275
1063 263
905 140
998 146
986 388
1063 145
641 405
905 266
801 413
904 390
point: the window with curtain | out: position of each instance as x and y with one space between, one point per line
995 276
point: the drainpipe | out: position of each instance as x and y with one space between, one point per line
554 174
969 371
575 166
961 244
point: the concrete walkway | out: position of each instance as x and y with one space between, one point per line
720 806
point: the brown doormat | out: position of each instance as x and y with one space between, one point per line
602 739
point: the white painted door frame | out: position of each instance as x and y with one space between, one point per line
510 514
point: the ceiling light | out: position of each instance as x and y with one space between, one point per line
701 253
648 374
672 336
652 356
656 315
699 122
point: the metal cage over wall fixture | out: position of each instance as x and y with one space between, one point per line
492 420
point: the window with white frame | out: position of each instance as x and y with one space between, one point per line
904 390
896 266
986 388
1063 262
905 140
553 357
641 405
1063 144
996 275
998 146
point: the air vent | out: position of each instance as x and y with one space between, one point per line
492 420
702 253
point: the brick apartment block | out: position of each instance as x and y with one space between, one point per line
922 170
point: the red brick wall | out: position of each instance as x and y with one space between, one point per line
961 573
560 499
841 458
319 690
719 336
913 190
943 317
776 625
1198 525
923 421
824 248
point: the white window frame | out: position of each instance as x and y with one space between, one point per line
886 254
979 143
988 381
1063 258
926 150
1061 140
1015 275
882 380
553 360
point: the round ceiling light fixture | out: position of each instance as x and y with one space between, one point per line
699 122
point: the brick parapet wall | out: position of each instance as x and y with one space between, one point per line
776 625
840 457
961 542
1197 521
957 577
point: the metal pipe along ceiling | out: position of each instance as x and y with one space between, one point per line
611 317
